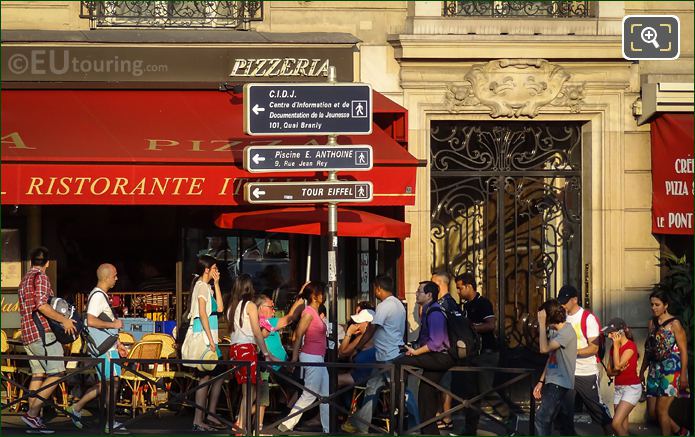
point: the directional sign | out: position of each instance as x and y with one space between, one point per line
258 159
308 192
307 109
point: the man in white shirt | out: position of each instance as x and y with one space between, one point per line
100 315
586 374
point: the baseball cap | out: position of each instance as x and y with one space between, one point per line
566 293
363 316
614 325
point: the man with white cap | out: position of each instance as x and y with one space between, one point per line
348 348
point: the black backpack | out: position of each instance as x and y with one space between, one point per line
464 341
63 307
69 311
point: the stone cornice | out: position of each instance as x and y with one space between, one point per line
449 47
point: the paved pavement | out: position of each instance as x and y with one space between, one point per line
168 423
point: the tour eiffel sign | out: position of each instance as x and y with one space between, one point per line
308 192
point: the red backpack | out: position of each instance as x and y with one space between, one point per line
601 337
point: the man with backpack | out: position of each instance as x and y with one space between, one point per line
478 309
586 375
432 353
448 304
100 319
34 294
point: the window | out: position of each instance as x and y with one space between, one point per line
266 257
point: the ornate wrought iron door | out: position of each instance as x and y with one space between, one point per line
506 205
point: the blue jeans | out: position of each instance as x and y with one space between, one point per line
377 380
551 403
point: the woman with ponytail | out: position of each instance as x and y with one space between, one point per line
246 339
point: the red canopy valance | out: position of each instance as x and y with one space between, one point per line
314 221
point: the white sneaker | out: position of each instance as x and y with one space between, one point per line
118 428
75 416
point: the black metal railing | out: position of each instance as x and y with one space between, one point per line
12 384
398 419
519 9
472 402
333 399
139 369
172 14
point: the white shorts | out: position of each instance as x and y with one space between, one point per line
627 393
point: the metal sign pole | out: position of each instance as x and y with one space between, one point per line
333 278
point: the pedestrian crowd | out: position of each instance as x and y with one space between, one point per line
450 334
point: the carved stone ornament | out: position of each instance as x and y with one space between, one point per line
515 88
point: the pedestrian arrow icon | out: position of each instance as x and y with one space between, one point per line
257 159
256 109
257 193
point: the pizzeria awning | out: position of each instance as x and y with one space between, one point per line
314 221
154 147
672 174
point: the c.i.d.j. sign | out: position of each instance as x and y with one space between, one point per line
307 109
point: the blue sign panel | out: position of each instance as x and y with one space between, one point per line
307 109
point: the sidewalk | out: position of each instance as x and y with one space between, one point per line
181 425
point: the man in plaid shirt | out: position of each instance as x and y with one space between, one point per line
34 293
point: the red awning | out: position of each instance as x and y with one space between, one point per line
314 221
159 147
672 174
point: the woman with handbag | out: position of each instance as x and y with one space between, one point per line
246 339
666 354
203 336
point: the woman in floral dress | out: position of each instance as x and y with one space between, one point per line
666 355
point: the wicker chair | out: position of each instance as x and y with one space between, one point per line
9 371
126 338
138 384
165 371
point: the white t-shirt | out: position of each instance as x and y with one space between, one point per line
585 366
99 304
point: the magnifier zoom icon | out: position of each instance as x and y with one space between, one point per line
649 35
